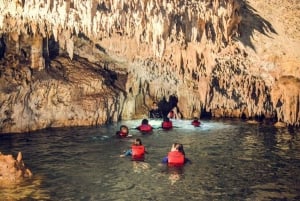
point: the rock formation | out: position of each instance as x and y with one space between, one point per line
12 171
69 63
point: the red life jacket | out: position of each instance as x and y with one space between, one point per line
122 134
167 125
138 152
196 123
145 128
175 158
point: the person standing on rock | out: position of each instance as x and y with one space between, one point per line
174 114
155 112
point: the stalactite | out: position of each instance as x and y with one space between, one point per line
87 18
166 46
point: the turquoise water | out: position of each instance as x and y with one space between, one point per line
231 160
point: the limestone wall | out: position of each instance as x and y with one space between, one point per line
69 63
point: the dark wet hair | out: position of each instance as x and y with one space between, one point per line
166 119
179 147
121 133
123 126
138 141
145 121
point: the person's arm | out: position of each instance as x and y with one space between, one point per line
165 160
146 152
186 160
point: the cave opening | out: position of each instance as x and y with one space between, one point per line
2 47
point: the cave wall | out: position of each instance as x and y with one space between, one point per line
70 63
66 93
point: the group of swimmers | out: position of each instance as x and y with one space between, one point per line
145 127
156 113
176 156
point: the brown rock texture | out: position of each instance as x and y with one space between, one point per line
71 63
65 94
12 171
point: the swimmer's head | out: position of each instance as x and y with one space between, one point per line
138 141
124 129
145 121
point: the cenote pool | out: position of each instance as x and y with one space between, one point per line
231 160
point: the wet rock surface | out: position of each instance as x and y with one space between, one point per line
12 171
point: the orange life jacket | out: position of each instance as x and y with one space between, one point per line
145 128
175 158
196 123
138 152
167 125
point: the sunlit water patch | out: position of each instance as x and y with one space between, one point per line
231 160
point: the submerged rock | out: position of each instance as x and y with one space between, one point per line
12 171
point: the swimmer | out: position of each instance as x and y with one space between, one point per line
176 157
137 151
167 124
145 127
123 132
196 122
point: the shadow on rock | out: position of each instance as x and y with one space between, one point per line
251 22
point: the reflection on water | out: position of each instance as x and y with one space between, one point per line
30 189
231 160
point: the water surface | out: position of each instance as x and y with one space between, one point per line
231 160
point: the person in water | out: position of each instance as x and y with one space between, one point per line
145 127
176 157
167 124
155 112
123 132
196 122
137 151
